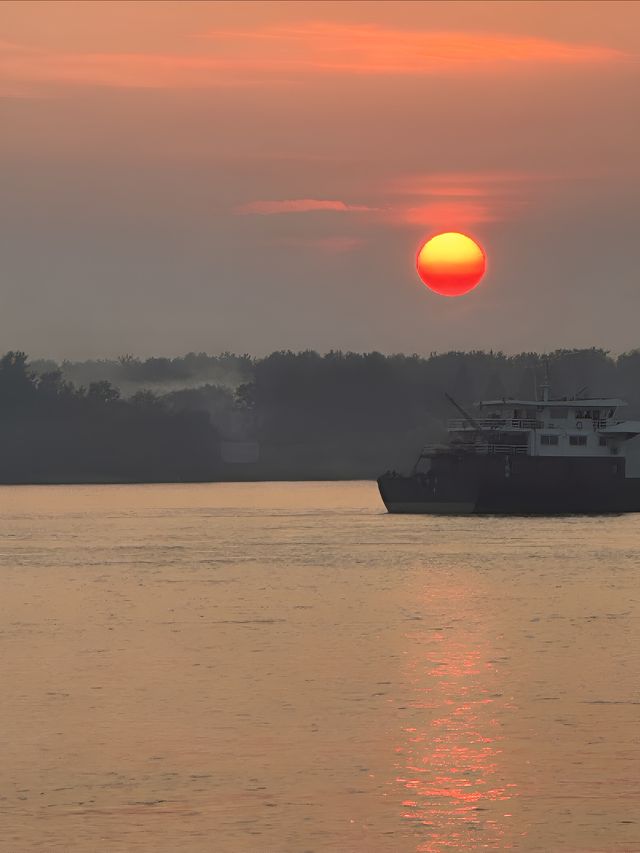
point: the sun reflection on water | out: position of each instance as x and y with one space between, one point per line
449 759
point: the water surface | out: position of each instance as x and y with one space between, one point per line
285 667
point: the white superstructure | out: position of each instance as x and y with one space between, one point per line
546 427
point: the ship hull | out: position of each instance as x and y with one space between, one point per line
513 485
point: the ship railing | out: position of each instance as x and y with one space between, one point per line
508 449
481 449
510 424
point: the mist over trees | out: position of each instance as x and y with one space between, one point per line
54 432
291 415
129 374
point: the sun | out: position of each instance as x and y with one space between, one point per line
451 263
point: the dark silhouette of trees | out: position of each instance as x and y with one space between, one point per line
342 415
102 392
53 432
353 415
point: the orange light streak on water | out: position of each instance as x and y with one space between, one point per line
451 764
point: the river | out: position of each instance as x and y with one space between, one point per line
285 667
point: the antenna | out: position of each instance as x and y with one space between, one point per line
546 386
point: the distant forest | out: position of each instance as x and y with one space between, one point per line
291 415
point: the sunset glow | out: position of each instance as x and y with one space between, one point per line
210 157
451 264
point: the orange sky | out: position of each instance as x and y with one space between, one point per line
257 176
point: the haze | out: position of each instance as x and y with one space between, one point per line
251 177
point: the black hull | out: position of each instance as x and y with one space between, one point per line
513 485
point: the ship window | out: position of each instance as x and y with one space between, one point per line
549 439
578 440
603 441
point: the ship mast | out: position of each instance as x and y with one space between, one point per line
467 417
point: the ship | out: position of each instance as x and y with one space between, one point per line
525 457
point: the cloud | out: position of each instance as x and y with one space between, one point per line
460 199
120 71
468 183
271 55
367 49
445 214
22 66
299 205
439 200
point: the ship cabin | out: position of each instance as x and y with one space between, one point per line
546 427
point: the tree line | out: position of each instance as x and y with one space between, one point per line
337 415
54 432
